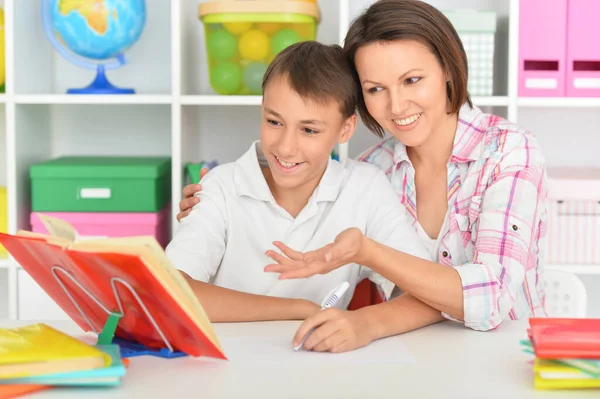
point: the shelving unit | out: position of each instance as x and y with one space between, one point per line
175 113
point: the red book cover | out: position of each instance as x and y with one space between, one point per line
66 274
562 338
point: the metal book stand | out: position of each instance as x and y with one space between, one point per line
106 336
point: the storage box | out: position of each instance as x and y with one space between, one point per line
242 37
542 48
477 30
101 184
100 225
583 49
573 216
3 219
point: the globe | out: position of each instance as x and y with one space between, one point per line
96 30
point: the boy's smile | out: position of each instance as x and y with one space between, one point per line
297 137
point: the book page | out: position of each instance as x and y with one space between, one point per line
153 255
61 242
58 227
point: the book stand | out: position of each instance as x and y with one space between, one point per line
106 336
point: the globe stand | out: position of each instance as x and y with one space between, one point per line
101 85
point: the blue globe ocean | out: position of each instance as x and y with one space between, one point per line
98 29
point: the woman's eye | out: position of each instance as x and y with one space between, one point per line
273 123
310 131
374 90
411 81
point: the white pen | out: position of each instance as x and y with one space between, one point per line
329 301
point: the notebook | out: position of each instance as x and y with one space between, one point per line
559 338
40 349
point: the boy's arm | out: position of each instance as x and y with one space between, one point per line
197 249
225 305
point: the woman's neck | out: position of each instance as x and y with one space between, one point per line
293 200
436 151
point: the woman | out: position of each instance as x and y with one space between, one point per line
474 186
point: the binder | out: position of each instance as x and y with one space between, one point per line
583 49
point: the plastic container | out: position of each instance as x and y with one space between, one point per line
101 184
243 36
477 30
3 219
110 224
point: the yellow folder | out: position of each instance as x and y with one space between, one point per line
40 349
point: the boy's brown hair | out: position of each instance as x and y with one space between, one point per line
317 72
389 20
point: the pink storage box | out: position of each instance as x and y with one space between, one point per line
542 48
102 224
573 216
583 49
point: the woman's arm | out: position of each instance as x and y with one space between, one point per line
482 292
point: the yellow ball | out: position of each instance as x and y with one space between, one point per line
269 27
237 28
254 45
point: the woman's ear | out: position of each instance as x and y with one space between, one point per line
348 129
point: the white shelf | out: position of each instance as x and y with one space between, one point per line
576 269
559 102
220 100
491 101
92 99
4 263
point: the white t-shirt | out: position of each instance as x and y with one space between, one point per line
224 238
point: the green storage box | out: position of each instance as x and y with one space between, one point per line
101 184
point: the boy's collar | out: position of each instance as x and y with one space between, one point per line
250 181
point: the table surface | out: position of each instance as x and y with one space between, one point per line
449 361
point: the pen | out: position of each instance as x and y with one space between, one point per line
329 301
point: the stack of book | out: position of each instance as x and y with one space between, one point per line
40 355
567 352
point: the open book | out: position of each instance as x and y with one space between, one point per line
131 276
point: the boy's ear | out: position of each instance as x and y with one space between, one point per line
348 129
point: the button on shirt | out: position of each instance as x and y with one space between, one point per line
224 238
496 221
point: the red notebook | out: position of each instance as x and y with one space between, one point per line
94 274
563 338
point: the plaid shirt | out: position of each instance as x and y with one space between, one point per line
496 214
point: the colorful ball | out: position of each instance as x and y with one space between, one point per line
226 77
221 44
253 76
254 45
284 38
237 28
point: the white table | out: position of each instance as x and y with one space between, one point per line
450 362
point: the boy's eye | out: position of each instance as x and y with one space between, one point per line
310 131
374 90
411 81
273 122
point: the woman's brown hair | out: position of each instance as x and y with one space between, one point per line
389 20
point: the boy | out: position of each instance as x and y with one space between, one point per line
287 188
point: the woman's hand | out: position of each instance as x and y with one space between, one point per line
335 331
347 248
188 201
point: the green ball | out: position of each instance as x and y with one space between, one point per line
253 76
226 78
221 44
284 38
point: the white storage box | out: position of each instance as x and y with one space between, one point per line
573 235
477 30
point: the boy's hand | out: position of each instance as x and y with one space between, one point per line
188 201
336 331
347 248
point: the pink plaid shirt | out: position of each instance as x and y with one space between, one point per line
496 214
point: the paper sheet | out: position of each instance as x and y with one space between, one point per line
278 351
